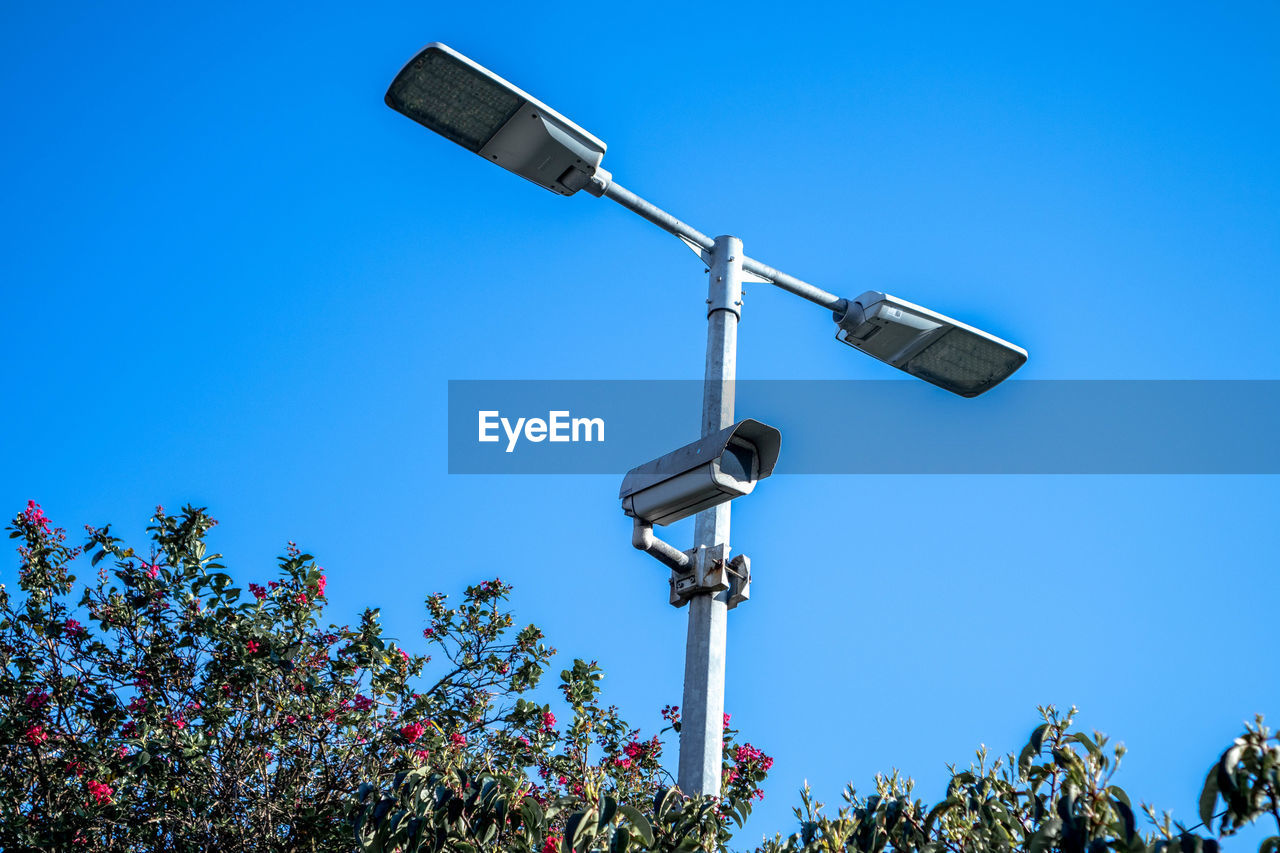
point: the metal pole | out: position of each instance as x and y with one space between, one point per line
702 714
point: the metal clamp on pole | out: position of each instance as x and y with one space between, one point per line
707 573
739 569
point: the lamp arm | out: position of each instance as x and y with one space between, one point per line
602 185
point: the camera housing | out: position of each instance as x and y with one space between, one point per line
718 468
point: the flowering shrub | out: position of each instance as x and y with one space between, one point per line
172 711
167 710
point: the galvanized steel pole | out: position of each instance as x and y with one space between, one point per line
702 714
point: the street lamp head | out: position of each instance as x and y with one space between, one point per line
928 345
446 92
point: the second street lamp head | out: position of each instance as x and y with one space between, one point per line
928 345
467 103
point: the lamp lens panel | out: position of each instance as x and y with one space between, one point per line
452 98
965 363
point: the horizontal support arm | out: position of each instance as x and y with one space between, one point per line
791 284
603 185
657 215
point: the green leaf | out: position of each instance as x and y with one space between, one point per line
577 831
620 841
1126 815
1270 845
1037 737
938 811
1209 797
1083 739
608 808
532 814
1226 778
639 821
1027 757
1046 836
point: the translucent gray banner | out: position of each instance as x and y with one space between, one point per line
877 427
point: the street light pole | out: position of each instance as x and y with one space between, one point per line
475 108
702 714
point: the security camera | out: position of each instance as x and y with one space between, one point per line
926 344
720 467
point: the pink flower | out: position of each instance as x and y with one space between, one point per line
73 629
749 755
36 700
36 735
129 729
362 702
551 845
122 751
138 705
301 598
458 739
35 516
252 646
100 791
178 723
420 754
404 655
258 591
428 633
153 569
290 720
413 731
548 721
320 584
726 721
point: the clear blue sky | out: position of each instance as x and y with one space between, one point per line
233 277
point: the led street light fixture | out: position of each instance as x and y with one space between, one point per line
723 466
446 92
937 349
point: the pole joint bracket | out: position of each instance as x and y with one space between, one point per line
710 572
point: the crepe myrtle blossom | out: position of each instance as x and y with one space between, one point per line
100 792
35 516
